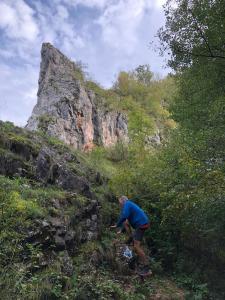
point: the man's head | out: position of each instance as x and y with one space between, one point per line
122 200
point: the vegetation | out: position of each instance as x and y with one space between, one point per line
181 185
26 203
194 33
180 181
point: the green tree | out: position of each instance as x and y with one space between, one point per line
143 74
194 30
194 163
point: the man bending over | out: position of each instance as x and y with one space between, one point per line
132 214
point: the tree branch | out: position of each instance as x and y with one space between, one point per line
198 28
200 54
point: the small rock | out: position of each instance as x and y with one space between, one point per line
69 236
95 259
88 223
56 222
91 235
26 186
55 203
66 264
94 226
59 242
61 232
44 224
94 217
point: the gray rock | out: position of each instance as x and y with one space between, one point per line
91 235
94 226
43 164
51 169
44 224
69 237
56 222
55 203
59 242
10 166
66 263
154 140
67 110
88 223
94 217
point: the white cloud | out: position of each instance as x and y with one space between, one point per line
16 18
57 27
112 36
88 3
160 3
107 3
25 29
62 12
17 93
120 21
9 53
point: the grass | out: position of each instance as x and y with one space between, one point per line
16 280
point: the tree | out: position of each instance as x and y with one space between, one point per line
143 74
193 192
195 34
194 30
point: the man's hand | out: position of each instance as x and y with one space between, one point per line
113 226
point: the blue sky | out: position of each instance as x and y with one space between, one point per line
107 35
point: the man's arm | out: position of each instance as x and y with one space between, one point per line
124 214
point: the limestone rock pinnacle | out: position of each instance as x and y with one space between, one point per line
69 111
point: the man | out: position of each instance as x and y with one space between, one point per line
132 214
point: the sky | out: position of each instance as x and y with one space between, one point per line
108 36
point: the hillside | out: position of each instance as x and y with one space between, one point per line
55 213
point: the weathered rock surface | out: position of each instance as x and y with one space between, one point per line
59 237
46 163
67 232
68 110
52 168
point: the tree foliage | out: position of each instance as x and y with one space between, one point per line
181 185
194 158
194 30
143 75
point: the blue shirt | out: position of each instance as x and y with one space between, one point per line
135 215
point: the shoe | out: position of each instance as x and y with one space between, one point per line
145 272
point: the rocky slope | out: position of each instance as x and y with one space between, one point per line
70 111
55 211
49 206
43 163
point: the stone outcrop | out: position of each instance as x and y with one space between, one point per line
64 232
25 154
68 110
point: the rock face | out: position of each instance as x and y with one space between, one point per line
68 110
63 231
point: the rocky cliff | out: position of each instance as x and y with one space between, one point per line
70 111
